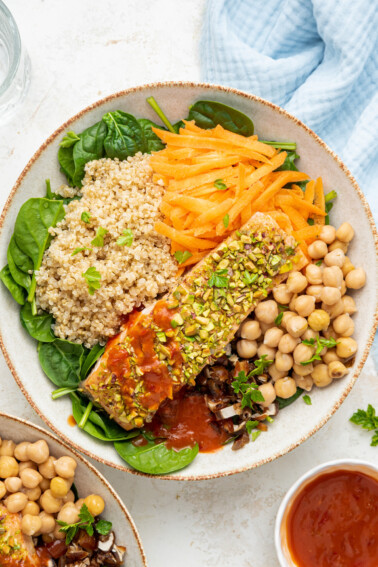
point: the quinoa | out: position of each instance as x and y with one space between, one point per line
118 195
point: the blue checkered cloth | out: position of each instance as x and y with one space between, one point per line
316 58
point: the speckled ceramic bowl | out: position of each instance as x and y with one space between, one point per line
293 425
87 478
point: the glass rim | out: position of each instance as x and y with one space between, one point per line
15 56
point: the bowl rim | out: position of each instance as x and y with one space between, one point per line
29 425
308 476
320 142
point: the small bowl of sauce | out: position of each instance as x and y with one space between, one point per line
329 517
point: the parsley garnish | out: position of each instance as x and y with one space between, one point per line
319 263
255 435
248 278
183 256
279 317
218 279
93 278
126 239
261 363
249 390
226 220
99 238
86 523
307 400
220 185
77 250
367 420
321 342
85 217
103 527
251 425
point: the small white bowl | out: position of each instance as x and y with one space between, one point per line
280 540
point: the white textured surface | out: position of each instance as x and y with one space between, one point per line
81 51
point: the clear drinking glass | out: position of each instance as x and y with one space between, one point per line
14 65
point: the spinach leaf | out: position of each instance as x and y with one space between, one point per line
23 279
99 426
155 459
89 147
92 357
283 403
16 290
22 260
124 137
207 114
61 361
38 326
151 143
289 164
66 162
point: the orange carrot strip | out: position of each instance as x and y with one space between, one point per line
241 180
310 191
310 233
181 238
195 257
199 180
300 204
281 179
243 141
295 217
214 213
191 204
319 201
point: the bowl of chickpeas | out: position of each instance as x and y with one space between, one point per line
55 504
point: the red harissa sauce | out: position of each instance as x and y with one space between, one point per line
333 522
185 421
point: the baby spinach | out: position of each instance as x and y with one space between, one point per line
124 137
22 278
16 290
92 357
61 361
207 114
283 403
288 164
155 459
98 425
151 143
38 326
22 260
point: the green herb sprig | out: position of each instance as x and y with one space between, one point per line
249 390
220 185
93 278
219 279
279 317
86 523
319 344
126 239
307 400
182 256
85 217
367 420
98 240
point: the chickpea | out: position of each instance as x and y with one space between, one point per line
321 376
69 497
266 311
16 502
285 387
349 304
59 487
344 325
95 504
268 392
314 274
48 523
265 327
345 232
250 330
328 234
281 294
356 279
283 361
335 258
296 282
57 534
3 489
44 484
287 343
69 514
336 369
27 465
31 508
317 249
48 538
13 484
303 369
330 333
304 382
246 349
330 295
319 320
343 288
8 466
30 478
47 468
30 525
304 305
276 374
49 503
332 276
79 503
269 352
309 334
285 318
7 448
292 302
20 451
65 467
315 291
338 245
296 326
272 337
348 266
330 356
38 452
302 353
33 494
346 347
333 310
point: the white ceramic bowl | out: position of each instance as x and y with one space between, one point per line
86 478
293 425
280 540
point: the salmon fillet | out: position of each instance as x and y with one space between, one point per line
16 549
160 350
